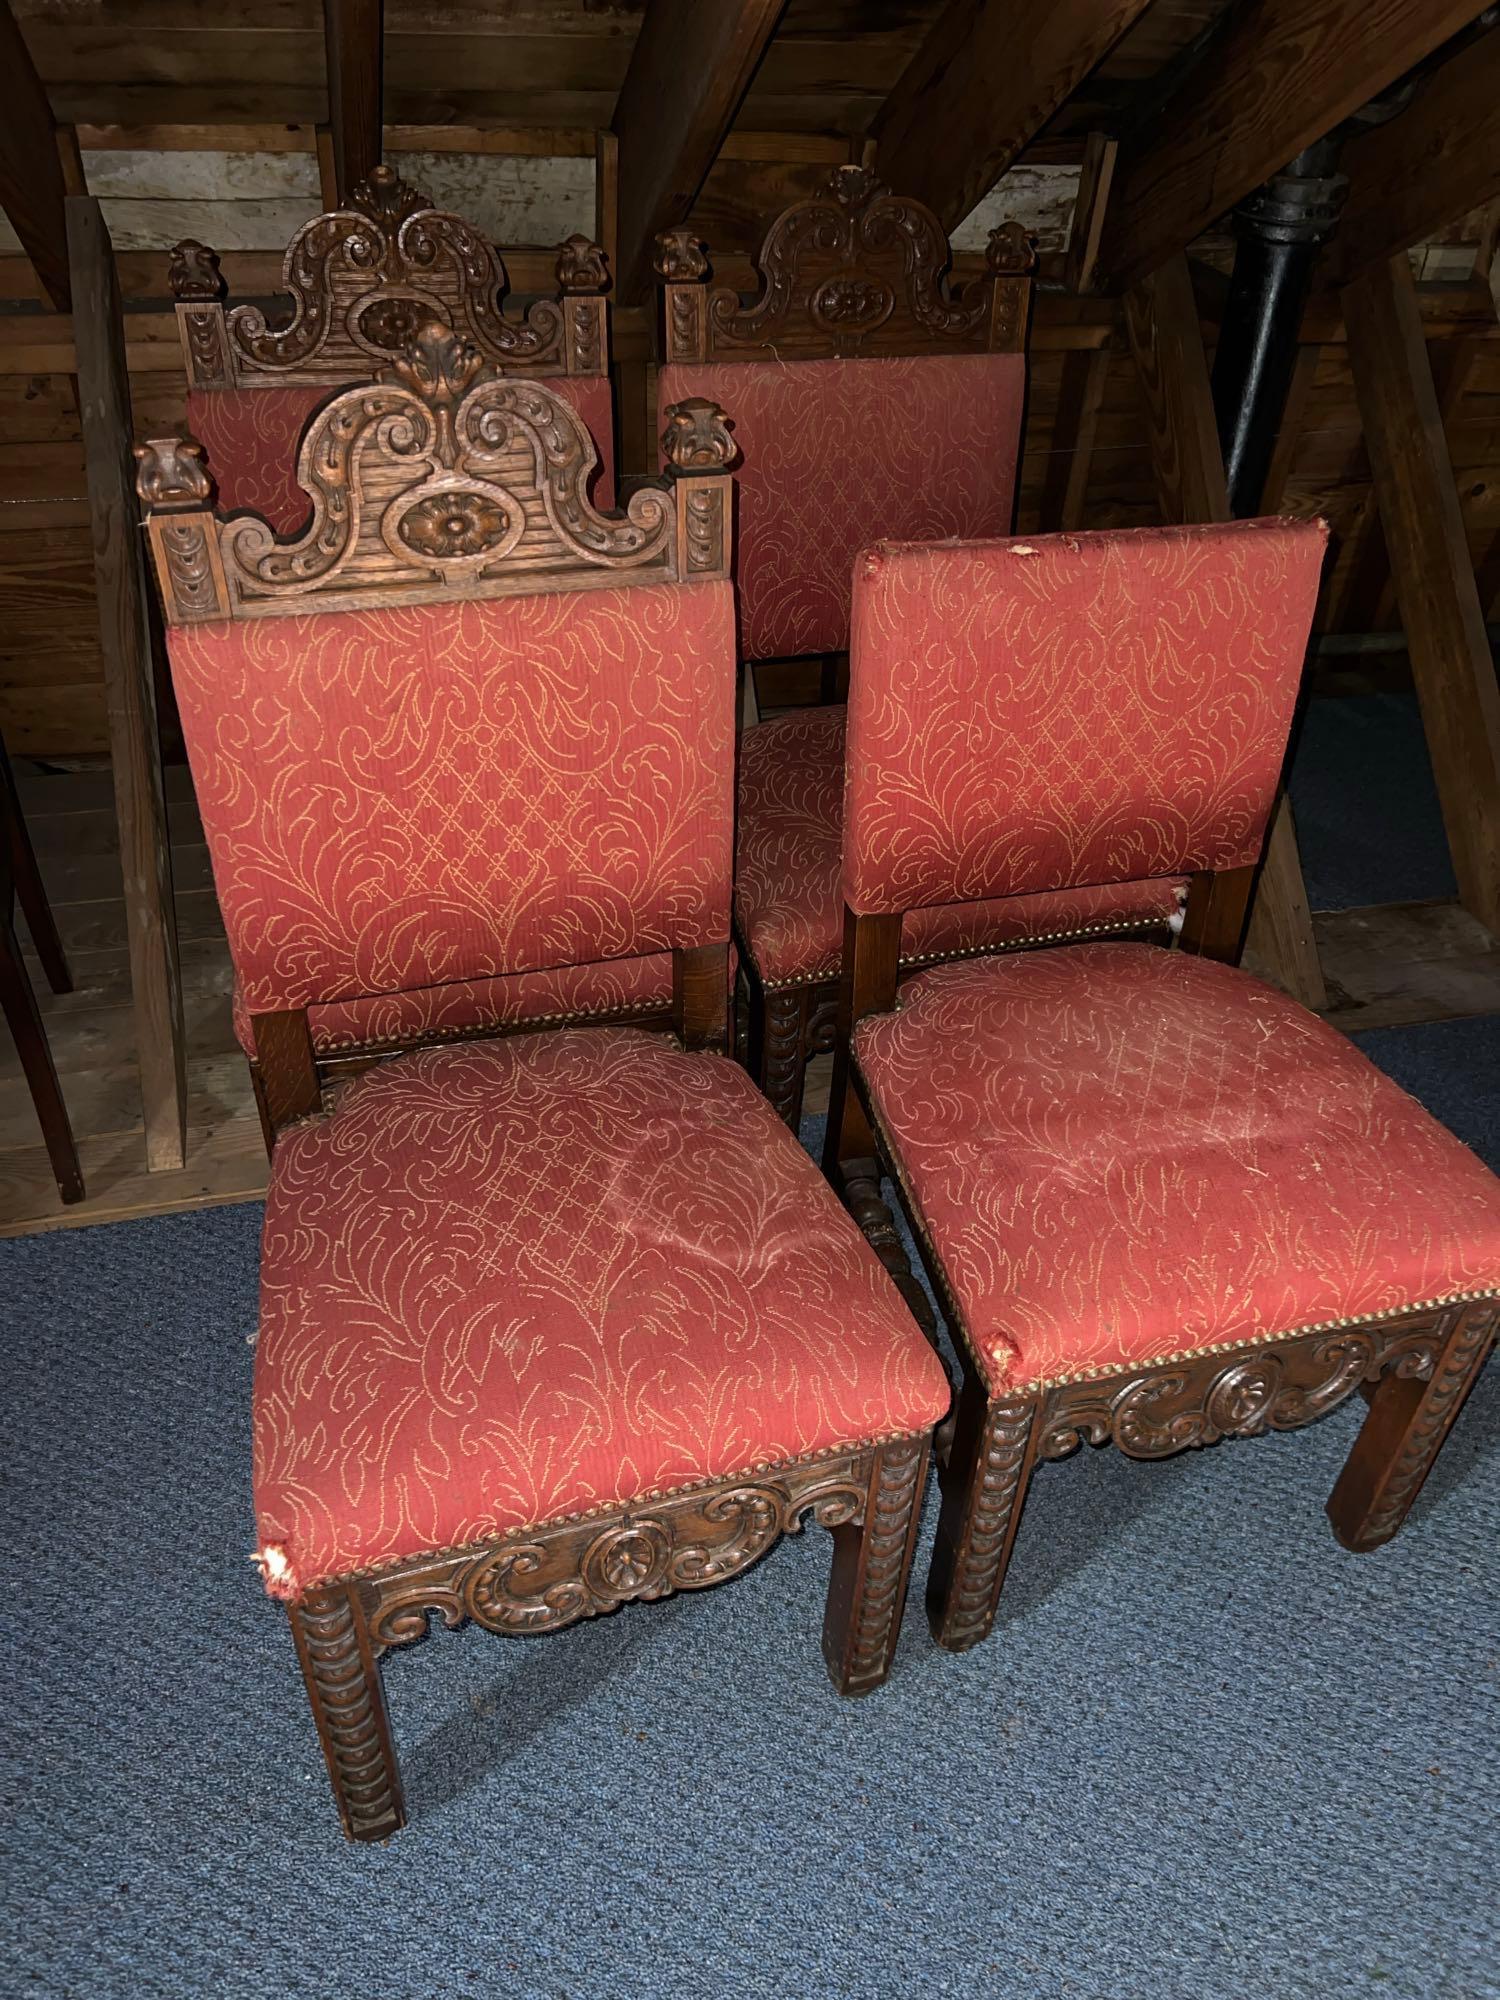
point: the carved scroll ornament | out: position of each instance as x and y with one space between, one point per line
1165 1410
442 478
852 270
555 1576
361 282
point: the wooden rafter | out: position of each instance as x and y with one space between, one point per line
32 189
688 75
1435 587
354 35
1427 167
1282 74
984 82
129 685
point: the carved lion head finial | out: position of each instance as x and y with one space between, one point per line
438 365
170 474
1010 252
852 187
581 266
193 271
386 199
680 258
696 437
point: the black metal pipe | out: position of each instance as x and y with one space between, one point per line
1278 229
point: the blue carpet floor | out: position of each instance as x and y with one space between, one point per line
1206 1753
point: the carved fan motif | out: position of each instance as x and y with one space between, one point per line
852 270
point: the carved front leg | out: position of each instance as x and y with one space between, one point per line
783 1052
984 1488
1401 1436
871 1565
348 1704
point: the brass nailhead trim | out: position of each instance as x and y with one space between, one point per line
923 961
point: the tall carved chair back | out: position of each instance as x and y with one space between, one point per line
1160 1202
436 497
360 281
549 1321
868 401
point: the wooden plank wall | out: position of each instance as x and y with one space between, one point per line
51 690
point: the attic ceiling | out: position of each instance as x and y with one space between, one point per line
829 67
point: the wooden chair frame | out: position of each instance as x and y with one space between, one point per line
1414 1368
538 1580
364 279
851 271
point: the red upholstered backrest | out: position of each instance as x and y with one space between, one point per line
395 799
1029 715
836 455
251 438
252 435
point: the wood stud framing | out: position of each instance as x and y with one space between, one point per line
1280 75
135 751
688 74
354 36
32 185
1435 585
984 82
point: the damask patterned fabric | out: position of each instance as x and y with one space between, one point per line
838 454
252 437
788 899
403 798
620 986
1122 1154
1078 708
517 1281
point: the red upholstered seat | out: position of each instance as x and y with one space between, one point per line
788 851
1124 1155
251 438
838 454
518 1281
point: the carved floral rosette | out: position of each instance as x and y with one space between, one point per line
363 279
852 270
442 479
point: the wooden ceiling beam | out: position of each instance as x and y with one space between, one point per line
1280 75
1426 168
688 75
32 189
982 85
354 35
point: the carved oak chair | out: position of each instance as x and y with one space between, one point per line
868 404
359 278
21 881
1160 1202
550 1321
360 281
